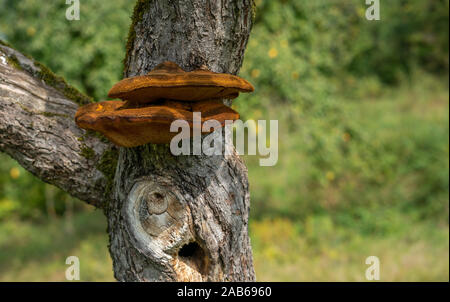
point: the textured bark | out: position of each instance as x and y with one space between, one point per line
162 202
37 129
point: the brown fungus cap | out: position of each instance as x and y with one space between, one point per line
131 127
169 81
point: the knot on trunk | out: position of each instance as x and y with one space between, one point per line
160 225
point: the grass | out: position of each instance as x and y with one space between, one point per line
317 250
283 251
38 251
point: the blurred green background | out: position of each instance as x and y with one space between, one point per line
363 110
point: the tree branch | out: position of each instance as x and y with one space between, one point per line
37 128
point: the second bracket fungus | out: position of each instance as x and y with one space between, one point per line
131 127
152 102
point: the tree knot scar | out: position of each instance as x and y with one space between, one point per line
157 218
157 208
156 203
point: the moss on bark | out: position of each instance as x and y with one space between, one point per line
107 165
87 152
138 14
43 73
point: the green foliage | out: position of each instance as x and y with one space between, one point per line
88 52
22 195
326 44
359 159
38 252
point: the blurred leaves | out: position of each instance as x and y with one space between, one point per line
88 53
356 135
371 156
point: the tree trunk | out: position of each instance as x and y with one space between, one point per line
182 218
170 218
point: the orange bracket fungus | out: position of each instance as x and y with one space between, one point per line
169 81
150 104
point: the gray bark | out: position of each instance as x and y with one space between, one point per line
37 129
183 218
170 218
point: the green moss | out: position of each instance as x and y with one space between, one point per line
61 85
138 14
108 160
44 113
91 133
254 8
4 43
26 109
98 135
14 62
87 152
52 114
107 165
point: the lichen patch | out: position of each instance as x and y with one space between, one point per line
2 60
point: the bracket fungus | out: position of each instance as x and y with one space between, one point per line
131 127
169 81
152 102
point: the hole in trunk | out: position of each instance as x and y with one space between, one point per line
194 256
188 250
